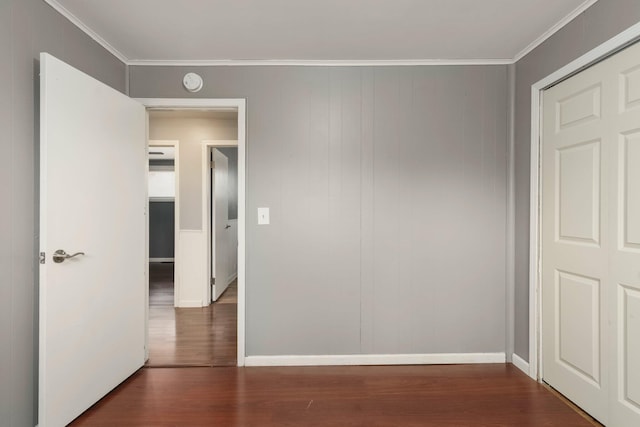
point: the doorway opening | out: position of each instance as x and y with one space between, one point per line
185 326
162 215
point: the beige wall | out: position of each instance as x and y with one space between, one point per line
191 132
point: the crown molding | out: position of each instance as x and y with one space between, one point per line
95 36
554 29
319 63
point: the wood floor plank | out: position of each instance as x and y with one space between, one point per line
449 395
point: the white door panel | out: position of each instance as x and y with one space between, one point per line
591 238
629 214
578 309
578 193
92 199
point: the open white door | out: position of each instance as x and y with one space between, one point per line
92 200
220 220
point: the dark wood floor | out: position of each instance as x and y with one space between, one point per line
444 395
204 336
440 395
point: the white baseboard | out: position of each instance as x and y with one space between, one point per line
161 259
376 359
190 303
519 363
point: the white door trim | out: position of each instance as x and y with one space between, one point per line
176 215
241 106
206 203
595 55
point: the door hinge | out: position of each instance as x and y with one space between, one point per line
43 257
212 164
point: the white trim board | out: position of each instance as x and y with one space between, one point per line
554 29
187 303
161 260
376 359
597 54
220 142
320 63
241 106
519 363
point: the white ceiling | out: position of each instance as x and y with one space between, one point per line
320 30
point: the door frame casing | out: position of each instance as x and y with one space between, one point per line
599 53
207 144
240 105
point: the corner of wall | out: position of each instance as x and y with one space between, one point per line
511 215
126 79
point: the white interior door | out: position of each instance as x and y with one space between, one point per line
624 228
220 252
574 246
92 200
591 239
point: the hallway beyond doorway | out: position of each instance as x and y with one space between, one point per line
189 336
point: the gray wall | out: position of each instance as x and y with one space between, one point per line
26 28
597 24
387 191
232 155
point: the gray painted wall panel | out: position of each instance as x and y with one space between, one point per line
382 182
367 213
26 28
597 24
6 288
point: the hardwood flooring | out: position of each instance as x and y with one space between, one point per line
204 336
437 395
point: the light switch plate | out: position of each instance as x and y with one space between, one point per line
263 216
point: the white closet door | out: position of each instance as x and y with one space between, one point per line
624 228
591 239
574 244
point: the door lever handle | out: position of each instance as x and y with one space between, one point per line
60 255
227 226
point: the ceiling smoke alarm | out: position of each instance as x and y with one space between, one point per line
192 82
